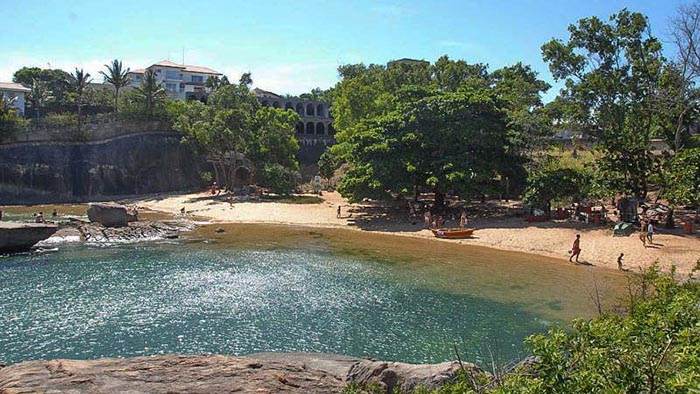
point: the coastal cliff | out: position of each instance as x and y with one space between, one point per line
307 373
141 163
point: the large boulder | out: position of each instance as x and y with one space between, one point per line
108 214
407 376
20 237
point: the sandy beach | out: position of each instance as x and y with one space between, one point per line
552 239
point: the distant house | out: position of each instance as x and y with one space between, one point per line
180 81
15 90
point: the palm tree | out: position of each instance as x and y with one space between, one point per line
80 81
150 91
38 95
117 77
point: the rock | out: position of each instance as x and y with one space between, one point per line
132 215
107 214
134 232
167 374
20 237
406 376
219 230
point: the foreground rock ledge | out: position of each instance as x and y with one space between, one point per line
257 373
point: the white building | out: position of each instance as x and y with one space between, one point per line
179 80
14 90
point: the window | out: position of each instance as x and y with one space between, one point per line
169 74
197 78
171 87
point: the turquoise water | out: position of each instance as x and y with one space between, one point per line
86 302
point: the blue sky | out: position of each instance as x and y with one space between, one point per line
293 46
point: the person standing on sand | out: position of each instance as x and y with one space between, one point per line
337 215
463 221
428 219
619 261
650 233
643 234
576 248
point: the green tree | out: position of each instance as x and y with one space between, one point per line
327 164
118 77
38 96
150 94
611 73
683 178
214 82
10 120
79 81
57 82
235 132
559 184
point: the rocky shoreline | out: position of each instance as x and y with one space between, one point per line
309 373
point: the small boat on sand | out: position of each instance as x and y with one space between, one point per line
453 233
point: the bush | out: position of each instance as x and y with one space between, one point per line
279 179
58 121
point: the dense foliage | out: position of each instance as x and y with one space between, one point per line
561 184
239 136
612 72
684 178
450 128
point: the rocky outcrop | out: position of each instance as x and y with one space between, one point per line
306 373
139 163
107 214
406 376
20 237
134 232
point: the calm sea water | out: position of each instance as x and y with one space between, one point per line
88 302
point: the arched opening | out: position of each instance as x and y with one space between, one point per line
289 106
300 109
310 110
276 104
319 110
300 128
331 130
265 103
310 128
320 128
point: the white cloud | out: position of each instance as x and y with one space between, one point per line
92 66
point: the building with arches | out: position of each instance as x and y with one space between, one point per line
315 131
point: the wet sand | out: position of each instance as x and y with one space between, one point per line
549 239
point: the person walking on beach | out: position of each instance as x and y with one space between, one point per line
650 233
619 261
337 215
576 248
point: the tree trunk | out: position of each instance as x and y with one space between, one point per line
439 201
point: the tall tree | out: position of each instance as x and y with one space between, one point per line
39 95
611 72
235 132
150 93
79 81
116 76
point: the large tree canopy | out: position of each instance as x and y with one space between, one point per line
450 127
235 132
611 72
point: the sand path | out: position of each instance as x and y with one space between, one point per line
549 239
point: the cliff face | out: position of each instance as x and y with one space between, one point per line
64 172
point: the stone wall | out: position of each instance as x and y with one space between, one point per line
138 163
